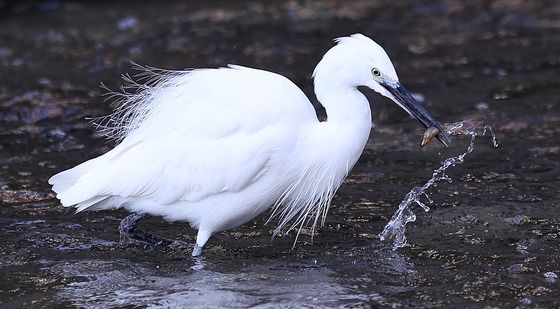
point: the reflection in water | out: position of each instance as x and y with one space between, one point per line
396 227
110 284
210 283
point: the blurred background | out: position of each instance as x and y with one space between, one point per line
490 240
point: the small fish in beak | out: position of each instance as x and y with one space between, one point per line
430 133
454 128
404 99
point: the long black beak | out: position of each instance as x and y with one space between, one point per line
414 108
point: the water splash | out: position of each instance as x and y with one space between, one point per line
395 229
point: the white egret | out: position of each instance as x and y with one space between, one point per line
217 147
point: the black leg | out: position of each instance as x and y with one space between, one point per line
129 231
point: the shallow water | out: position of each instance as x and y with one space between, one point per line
490 239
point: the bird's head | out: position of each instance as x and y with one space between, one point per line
359 61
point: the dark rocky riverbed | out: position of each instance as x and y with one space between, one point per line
491 240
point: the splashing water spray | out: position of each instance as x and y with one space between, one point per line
395 229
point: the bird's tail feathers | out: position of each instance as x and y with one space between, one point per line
72 191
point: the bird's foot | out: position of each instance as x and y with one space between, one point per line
150 239
129 233
126 227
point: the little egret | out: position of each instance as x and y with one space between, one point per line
217 147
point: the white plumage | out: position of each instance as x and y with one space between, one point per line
217 147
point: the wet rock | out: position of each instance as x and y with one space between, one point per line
482 106
23 196
552 150
127 23
5 52
550 276
32 222
517 220
470 219
69 225
516 268
46 82
56 133
48 6
522 248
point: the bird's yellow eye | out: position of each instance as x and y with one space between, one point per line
376 72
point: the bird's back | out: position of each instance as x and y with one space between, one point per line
191 135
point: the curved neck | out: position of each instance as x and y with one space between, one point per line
348 125
343 103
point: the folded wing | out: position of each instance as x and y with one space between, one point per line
190 135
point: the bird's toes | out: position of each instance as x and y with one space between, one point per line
126 240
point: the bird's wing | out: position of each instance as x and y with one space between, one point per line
167 170
199 134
